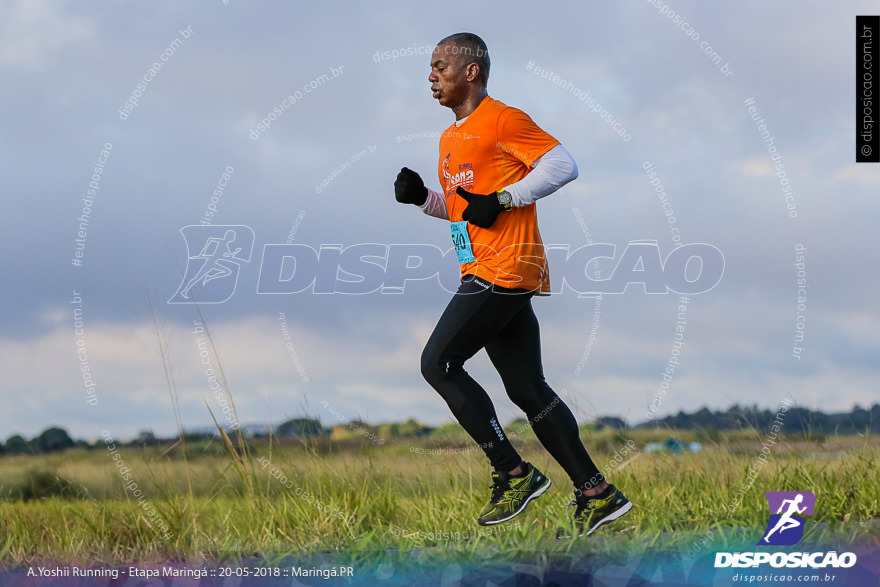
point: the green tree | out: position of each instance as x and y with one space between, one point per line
17 445
412 428
53 440
300 427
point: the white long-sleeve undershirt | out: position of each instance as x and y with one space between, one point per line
550 171
435 205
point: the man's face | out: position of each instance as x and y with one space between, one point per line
449 76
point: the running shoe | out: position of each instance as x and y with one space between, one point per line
511 495
592 512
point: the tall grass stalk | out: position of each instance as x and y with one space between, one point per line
169 382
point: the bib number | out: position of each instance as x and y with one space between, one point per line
462 242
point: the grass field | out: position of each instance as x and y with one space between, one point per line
359 499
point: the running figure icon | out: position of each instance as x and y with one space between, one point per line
217 262
211 275
787 521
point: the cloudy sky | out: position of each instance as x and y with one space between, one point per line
676 77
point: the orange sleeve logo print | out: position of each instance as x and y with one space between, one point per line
494 148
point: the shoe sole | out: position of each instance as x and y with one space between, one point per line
537 493
610 517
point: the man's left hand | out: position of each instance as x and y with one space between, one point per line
482 210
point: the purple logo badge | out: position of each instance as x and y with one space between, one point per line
786 524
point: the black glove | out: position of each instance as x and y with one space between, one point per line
409 188
481 210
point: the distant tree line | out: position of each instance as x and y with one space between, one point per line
795 420
52 439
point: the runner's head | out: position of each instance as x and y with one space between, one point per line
459 69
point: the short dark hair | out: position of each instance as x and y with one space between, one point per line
470 45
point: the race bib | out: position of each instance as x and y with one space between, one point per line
462 242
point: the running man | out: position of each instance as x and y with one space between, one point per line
216 263
787 521
495 163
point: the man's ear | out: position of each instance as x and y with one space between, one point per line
473 71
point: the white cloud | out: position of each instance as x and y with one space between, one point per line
863 173
756 167
33 33
124 362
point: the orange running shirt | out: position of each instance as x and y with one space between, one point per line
493 148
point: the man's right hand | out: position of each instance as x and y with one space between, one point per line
409 188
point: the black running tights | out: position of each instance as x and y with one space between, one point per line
503 322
